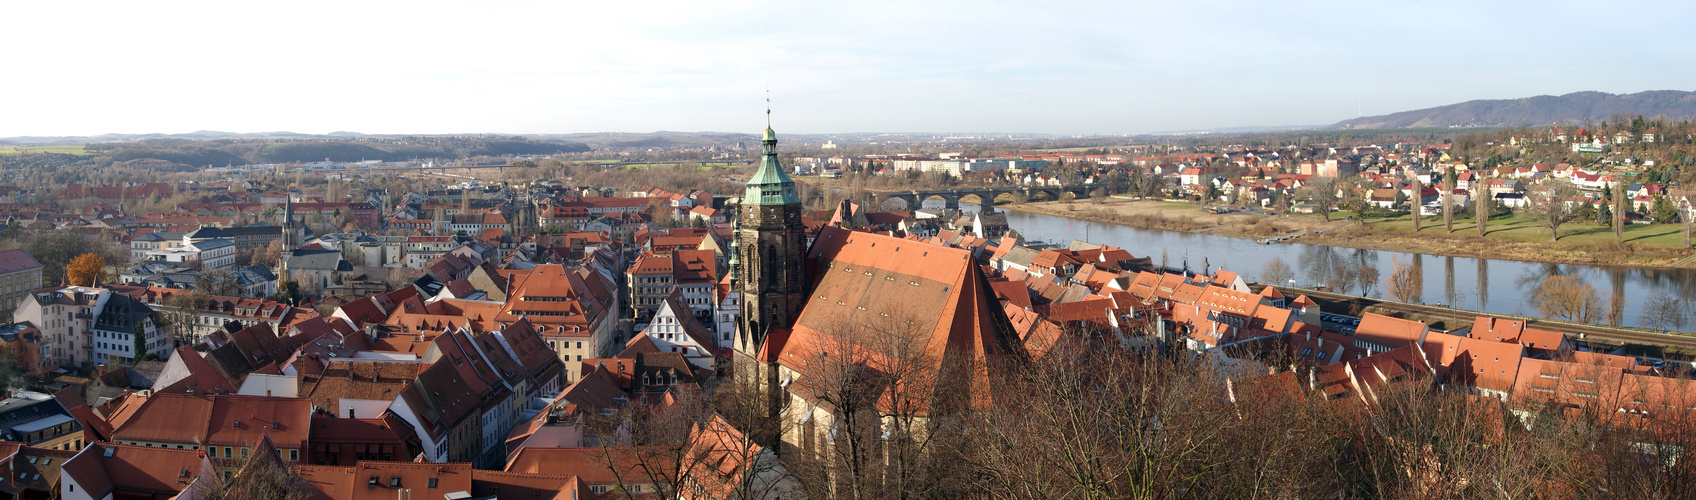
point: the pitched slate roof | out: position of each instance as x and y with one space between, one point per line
318 260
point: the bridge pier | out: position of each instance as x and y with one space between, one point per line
951 202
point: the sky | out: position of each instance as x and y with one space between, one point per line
556 67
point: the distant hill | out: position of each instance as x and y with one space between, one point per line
1535 111
220 152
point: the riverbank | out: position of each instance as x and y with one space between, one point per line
1178 216
1651 246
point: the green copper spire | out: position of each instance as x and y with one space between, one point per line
769 185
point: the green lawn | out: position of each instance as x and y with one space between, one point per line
701 166
1521 228
74 150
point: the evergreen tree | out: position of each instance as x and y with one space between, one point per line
1664 211
1604 215
140 342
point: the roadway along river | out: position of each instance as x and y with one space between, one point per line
1499 286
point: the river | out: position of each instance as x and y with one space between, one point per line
1497 286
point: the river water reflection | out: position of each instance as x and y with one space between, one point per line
1498 286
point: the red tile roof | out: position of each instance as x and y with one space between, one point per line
221 420
355 482
133 470
864 278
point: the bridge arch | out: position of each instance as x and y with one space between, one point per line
949 200
886 202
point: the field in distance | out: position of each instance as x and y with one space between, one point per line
70 150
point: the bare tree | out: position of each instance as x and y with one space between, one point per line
1482 206
1552 207
1619 211
1568 298
1366 277
1448 209
1616 308
1416 202
1664 311
886 399
1322 192
1343 278
1405 283
220 282
1277 272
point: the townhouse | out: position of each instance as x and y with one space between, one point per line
93 324
19 274
226 427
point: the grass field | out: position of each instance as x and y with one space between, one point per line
700 166
1518 238
74 150
1526 229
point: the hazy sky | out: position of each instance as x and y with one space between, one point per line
443 66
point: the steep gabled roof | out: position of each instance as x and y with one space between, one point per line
132 470
935 294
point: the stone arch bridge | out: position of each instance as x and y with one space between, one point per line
986 195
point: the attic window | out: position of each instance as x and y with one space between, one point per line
394 481
107 453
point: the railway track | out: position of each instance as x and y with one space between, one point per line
1580 332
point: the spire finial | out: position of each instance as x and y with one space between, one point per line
768 107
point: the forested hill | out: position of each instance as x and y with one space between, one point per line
220 152
1533 111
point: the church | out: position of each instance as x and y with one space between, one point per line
913 322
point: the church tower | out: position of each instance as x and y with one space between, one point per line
770 248
288 239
